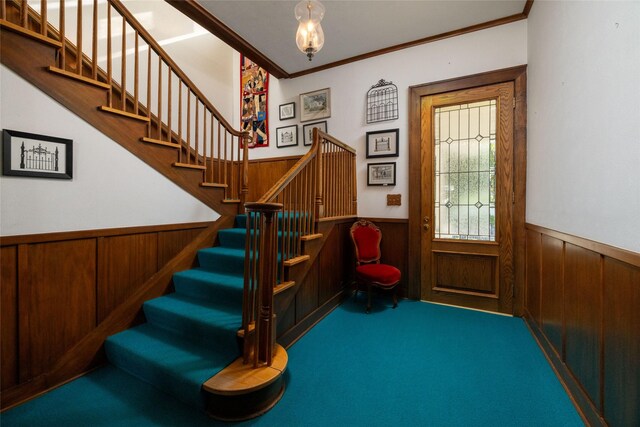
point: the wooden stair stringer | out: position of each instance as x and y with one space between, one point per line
30 58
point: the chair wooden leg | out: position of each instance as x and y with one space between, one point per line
368 299
395 296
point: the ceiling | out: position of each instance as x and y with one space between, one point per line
352 28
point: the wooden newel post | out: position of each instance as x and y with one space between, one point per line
319 175
265 337
244 186
354 180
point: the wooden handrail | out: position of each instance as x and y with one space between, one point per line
225 168
117 5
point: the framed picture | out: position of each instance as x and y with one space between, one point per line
315 105
307 130
288 111
287 136
28 154
381 174
382 143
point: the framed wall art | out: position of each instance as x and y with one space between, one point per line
287 136
381 173
315 105
307 131
382 143
41 156
288 111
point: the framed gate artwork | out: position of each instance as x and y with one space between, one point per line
254 87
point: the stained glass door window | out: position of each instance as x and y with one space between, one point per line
465 171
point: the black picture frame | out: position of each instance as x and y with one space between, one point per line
37 156
383 143
307 131
381 174
287 111
287 136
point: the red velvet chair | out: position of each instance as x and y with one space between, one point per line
366 238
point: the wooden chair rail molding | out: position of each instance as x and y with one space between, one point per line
177 114
94 285
104 232
581 303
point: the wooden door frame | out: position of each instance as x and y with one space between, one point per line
517 75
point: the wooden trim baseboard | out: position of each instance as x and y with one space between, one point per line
620 254
103 232
578 397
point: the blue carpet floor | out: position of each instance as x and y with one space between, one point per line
419 365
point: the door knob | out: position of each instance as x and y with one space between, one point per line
425 224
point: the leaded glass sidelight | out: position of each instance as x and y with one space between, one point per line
465 171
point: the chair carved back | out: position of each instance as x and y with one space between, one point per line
366 237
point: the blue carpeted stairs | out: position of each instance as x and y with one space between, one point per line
190 335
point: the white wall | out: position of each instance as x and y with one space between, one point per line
110 186
491 49
583 175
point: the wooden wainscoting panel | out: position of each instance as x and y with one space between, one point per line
9 316
621 343
286 320
552 289
583 317
307 296
394 247
57 301
170 243
532 300
330 276
125 262
264 173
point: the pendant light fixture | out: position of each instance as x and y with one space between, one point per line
310 37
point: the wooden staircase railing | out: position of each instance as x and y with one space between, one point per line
142 83
320 186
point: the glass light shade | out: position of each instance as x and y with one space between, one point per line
309 10
310 37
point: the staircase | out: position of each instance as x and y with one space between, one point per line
191 335
212 342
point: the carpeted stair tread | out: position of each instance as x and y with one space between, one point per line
203 322
235 237
168 361
222 260
217 287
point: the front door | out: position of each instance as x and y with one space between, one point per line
467 193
